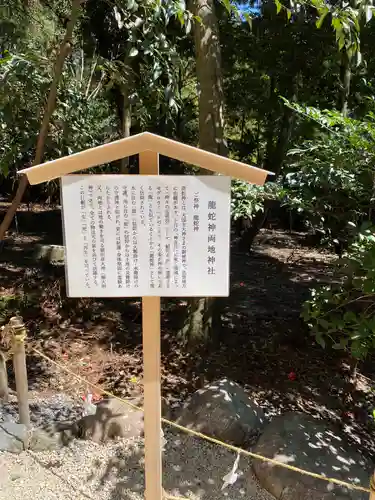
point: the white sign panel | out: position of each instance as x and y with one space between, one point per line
132 236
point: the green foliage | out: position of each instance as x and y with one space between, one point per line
136 44
24 83
128 47
28 28
82 119
14 304
248 199
346 19
342 314
331 176
7 303
132 58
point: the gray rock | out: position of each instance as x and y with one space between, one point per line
45 439
112 419
15 438
12 437
51 254
223 410
299 440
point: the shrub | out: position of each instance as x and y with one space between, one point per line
342 314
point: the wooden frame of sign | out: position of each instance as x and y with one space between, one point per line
148 146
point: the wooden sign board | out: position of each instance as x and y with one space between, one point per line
99 216
132 236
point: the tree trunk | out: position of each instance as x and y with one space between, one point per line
251 230
65 49
285 131
345 78
126 122
203 313
275 156
210 86
273 104
198 323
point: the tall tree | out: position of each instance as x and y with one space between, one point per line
209 75
202 312
63 53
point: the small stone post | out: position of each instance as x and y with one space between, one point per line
19 365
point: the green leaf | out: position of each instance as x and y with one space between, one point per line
288 14
133 52
157 72
350 317
249 19
368 12
337 347
278 6
117 14
320 21
180 16
227 5
323 323
320 340
337 25
359 58
341 41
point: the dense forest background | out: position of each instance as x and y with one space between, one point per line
289 87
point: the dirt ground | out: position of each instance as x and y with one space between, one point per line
262 340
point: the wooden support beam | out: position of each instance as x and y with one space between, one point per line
146 144
149 165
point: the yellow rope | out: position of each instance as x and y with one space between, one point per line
208 438
20 338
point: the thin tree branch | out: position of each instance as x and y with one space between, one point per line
65 50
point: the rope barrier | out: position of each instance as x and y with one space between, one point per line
208 438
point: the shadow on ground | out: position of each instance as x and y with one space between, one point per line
262 340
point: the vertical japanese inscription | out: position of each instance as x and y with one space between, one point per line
119 250
211 247
139 235
183 236
103 270
176 243
159 232
167 247
135 254
196 206
126 227
84 233
93 234
142 206
151 236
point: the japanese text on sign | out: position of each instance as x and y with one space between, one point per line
146 235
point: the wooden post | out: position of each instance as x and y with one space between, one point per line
149 165
372 487
19 365
4 390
